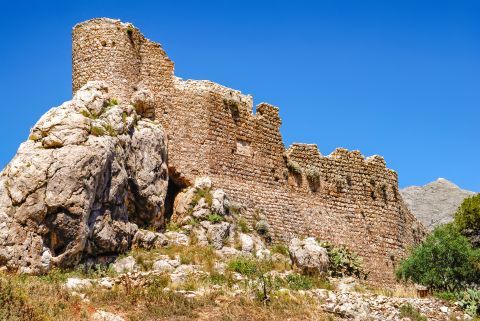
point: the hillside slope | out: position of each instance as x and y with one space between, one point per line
436 202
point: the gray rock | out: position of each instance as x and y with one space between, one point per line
106 316
78 284
217 234
308 255
219 202
247 243
203 183
127 264
75 191
149 240
227 252
165 265
177 238
435 203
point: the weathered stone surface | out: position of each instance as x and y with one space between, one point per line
106 316
149 240
217 234
436 202
90 173
177 238
126 264
308 255
77 284
165 264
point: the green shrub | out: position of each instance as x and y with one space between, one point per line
468 214
469 300
110 130
215 218
445 261
199 194
111 102
97 131
173 227
408 311
446 295
344 262
243 225
280 249
245 266
299 282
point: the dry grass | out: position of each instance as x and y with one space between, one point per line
399 290
25 298
192 254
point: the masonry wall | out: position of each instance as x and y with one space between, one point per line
212 130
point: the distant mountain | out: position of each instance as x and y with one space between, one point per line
435 203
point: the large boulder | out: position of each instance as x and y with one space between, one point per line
308 255
91 172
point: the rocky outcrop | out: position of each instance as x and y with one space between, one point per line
435 203
308 255
91 172
205 213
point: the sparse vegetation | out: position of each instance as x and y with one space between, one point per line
173 227
245 266
344 262
110 130
215 218
130 31
243 225
202 193
97 130
280 249
111 102
408 311
294 167
313 177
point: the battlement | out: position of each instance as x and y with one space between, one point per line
213 130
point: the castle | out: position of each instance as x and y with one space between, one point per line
343 198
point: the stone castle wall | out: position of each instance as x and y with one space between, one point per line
212 130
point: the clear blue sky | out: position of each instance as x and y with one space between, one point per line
395 78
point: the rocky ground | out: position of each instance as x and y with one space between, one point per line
211 265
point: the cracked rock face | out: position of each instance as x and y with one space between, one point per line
91 172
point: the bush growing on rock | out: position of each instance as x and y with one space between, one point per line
445 261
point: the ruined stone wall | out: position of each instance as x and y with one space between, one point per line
212 130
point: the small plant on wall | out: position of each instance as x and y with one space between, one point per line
313 177
294 167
